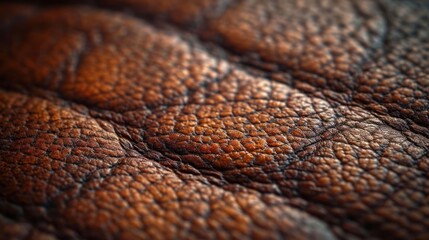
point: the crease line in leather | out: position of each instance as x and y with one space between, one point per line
371 113
199 43
344 99
233 66
87 177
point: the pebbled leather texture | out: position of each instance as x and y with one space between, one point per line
227 119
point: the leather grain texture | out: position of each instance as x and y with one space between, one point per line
214 119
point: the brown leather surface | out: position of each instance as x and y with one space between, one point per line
227 119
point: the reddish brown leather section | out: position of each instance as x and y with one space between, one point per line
214 119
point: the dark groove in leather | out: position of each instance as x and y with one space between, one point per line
124 114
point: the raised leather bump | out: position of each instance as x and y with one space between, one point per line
177 127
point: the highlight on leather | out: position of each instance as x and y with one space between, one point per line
214 119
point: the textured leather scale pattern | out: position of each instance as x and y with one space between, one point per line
214 119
